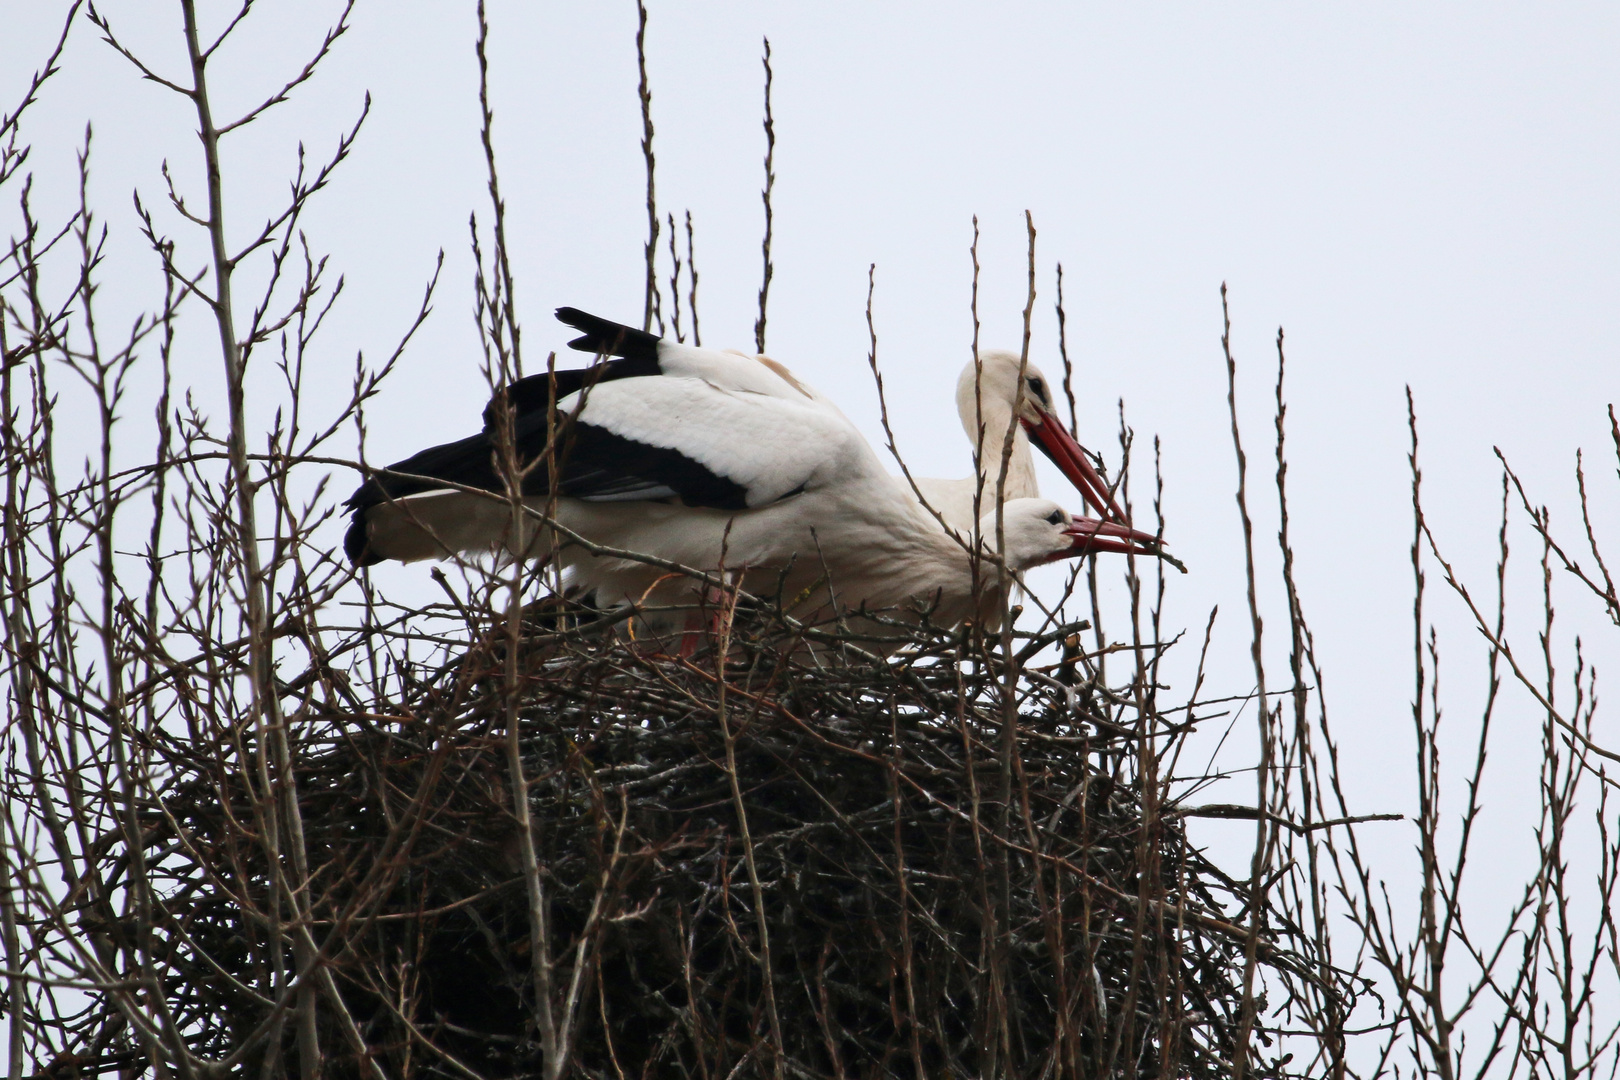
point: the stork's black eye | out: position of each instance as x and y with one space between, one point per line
1055 517
1037 387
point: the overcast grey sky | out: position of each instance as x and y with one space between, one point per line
1422 195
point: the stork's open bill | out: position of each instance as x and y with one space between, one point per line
705 459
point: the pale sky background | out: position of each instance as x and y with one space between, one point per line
1420 194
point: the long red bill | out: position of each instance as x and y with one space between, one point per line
1056 443
1090 535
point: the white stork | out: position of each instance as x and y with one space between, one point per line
1008 388
707 459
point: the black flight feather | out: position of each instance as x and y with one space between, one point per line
607 338
637 353
595 463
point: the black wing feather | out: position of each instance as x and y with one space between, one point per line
466 461
636 350
602 464
595 463
533 394
607 338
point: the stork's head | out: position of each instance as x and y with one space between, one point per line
1006 387
1001 388
1039 531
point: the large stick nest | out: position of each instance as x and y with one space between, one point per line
931 892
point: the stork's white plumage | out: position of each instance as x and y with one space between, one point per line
998 396
874 548
706 459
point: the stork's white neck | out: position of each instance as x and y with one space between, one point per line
986 422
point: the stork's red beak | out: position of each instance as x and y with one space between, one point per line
1056 443
1090 535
